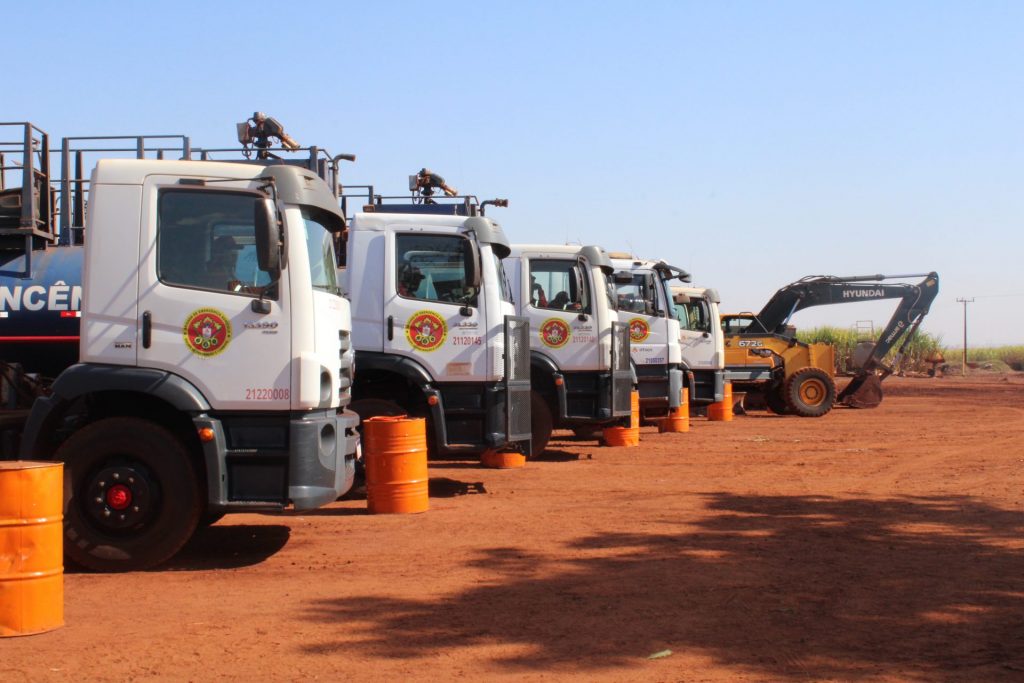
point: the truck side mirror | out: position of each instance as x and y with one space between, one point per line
472 264
268 238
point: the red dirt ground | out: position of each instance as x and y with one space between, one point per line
875 545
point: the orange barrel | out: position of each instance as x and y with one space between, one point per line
722 411
502 461
31 547
678 419
395 456
626 436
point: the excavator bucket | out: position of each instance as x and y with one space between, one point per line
863 391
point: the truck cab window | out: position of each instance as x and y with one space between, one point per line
694 316
207 240
638 296
433 268
559 285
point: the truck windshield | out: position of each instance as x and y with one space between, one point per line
609 289
320 248
506 288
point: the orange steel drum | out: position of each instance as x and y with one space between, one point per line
31 547
395 455
626 436
678 419
502 461
722 411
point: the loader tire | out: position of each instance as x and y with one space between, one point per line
809 392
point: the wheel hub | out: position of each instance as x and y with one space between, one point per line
119 497
812 392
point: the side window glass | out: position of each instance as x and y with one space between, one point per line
634 296
207 240
433 268
558 285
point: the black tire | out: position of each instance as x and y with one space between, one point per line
541 424
210 518
810 392
137 464
376 407
775 401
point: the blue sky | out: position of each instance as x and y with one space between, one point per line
752 143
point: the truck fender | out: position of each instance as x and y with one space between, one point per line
542 364
399 365
82 379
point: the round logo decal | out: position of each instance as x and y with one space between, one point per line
639 330
207 332
554 332
426 331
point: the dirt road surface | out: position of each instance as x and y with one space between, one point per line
876 545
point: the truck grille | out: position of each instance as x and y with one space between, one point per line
346 368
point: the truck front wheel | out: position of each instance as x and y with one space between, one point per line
131 496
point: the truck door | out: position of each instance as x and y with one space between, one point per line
517 380
639 307
198 278
561 312
433 310
622 374
696 335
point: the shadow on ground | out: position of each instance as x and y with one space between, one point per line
786 587
229 547
443 487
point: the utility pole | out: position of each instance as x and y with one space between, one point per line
965 301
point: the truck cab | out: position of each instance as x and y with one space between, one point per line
213 368
435 329
702 342
645 305
579 351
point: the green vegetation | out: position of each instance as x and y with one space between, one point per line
1012 356
923 347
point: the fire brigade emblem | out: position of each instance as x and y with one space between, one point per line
555 333
639 330
426 331
207 332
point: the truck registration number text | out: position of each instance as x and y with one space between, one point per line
267 394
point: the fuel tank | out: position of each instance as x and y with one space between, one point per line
40 310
